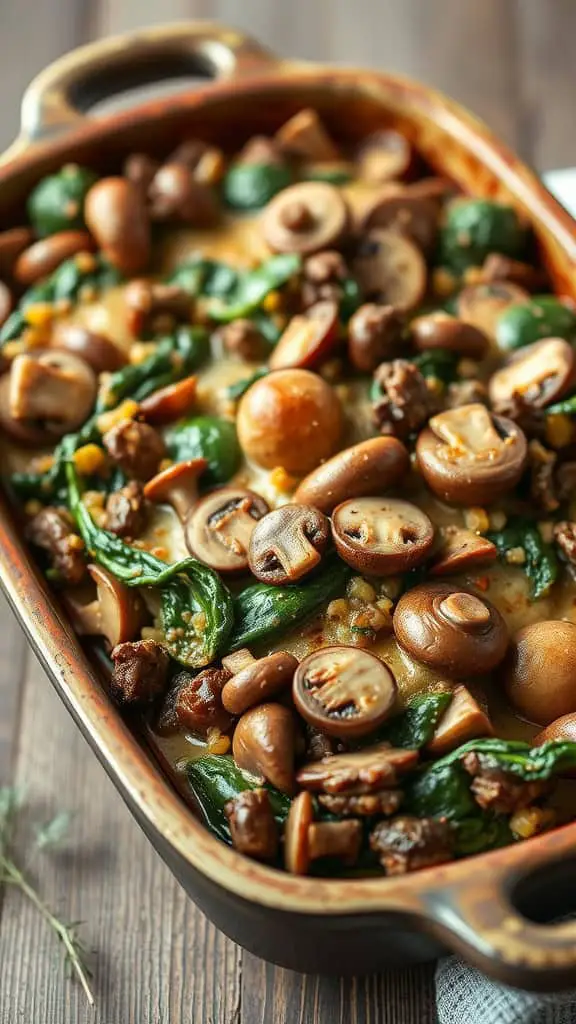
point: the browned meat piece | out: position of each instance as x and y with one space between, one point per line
350 805
140 672
136 447
542 464
566 481
500 791
323 274
363 771
52 529
126 511
408 844
565 537
406 402
252 826
154 307
195 702
242 338
465 392
318 745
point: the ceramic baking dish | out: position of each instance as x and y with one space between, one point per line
477 906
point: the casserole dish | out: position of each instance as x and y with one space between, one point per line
306 924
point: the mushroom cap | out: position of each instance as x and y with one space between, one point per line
296 841
169 403
390 269
399 209
264 744
45 255
468 456
440 330
460 550
450 629
290 418
25 432
220 525
539 373
305 218
259 681
381 536
365 468
177 485
55 388
539 673
344 691
563 728
96 349
308 337
483 304
288 543
116 613
116 214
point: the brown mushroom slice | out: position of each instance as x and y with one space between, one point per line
6 302
12 243
116 613
563 729
362 771
44 256
30 433
56 389
344 691
539 673
483 304
238 660
96 349
468 456
365 468
305 218
383 156
440 330
258 681
308 337
461 550
219 527
538 374
287 544
463 720
304 136
169 403
399 210
390 269
253 828
451 630
177 486
306 840
264 744
497 267
381 536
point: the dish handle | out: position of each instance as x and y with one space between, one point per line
59 98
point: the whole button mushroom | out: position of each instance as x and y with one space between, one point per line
365 468
116 215
219 527
539 673
55 389
287 544
375 334
43 257
451 630
538 374
308 337
381 536
344 691
175 196
264 744
563 728
305 218
290 418
390 269
258 681
440 330
469 456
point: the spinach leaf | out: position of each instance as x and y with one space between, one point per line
253 286
262 611
57 201
439 363
215 779
202 276
251 186
350 298
531 764
206 437
565 407
414 727
541 565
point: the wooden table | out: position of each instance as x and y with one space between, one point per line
156 959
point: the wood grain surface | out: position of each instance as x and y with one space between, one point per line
156 959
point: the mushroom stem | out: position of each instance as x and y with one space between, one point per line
335 839
177 486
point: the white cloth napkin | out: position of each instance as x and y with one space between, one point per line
463 994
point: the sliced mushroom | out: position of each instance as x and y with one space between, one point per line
29 433
305 841
94 348
12 243
483 304
169 403
43 257
539 673
538 374
305 218
6 302
366 468
153 307
308 337
116 612
363 771
440 330
258 681
55 390
287 544
381 536
176 197
451 630
383 156
375 334
264 745
461 550
497 267
253 828
219 527
398 209
390 269
305 136
344 691
468 456
177 486
463 720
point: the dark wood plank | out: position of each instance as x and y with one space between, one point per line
12 660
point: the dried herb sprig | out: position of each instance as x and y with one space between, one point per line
46 835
